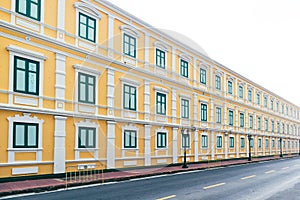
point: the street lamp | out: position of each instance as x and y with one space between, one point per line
280 147
184 134
299 147
249 139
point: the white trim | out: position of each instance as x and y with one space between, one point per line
130 127
86 124
130 30
161 130
87 8
185 57
161 46
24 119
160 89
25 52
130 82
24 170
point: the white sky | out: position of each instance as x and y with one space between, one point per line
259 39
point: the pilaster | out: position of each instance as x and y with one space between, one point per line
110 163
110 91
196 146
147 145
60 81
175 145
111 20
59 145
147 99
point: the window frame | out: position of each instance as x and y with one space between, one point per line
218 84
230 118
132 134
86 88
184 68
203 112
218 115
203 76
204 141
219 142
231 142
130 38
80 146
129 99
251 121
250 95
159 112
229 87
186 141
242 142
87 26
242 120
28 9
25 134
185 108
241 92
159 58
164 140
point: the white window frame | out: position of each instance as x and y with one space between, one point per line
189 108
161 130
130 128
132 83
162 47
26 118
163 91
133 32
204 134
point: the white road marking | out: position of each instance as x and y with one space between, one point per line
247 177
168 197
212 186
269 172
285 168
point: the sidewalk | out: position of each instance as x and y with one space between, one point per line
39 185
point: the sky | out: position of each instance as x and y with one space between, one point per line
259 39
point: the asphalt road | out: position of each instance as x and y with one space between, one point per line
278 179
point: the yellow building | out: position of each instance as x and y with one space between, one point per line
84 84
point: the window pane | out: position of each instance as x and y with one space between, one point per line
91 138
91 34
126 100
32 67
20 80
32 83
32 140
127 139
82 19
20 135
82 92
34 11
82 30
132 101
22 6
91 23
20 64
159 140
133 139
82 138
91 93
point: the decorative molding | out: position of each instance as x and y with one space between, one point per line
185 57
184 96
87 8
130 81
87 69
130 30
26 52
161 45
160 89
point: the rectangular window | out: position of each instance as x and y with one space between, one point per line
87 27
129 97
202 76
242 142
273 143
26 76
25 135
130 139
273 127
219 141
230 118
278 127
87 137
160 58
184 68
29 8
161 140
259 142
282 109
218 82
231 142
241 92
185 140
204 141
258 123
203 112
265 101
283 127
218 115
229 84
267 143
251 121
86 88
277 107
251 143
272 104
258 99
266 124
160 103
185 108
129 46
250 95
242 120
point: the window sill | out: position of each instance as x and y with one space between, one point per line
162 148
130 149
86 149
25 149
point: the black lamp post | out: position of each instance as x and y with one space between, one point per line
249 139
299 147
184 136
280 147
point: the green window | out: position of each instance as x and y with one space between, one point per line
242 120
218 82
185 140
278 127
265 101
229 84
204 141
203 112
242 142
231 142
251 143
258 99
202 76
283 127
185 108
87 27
266 124
219 141
218 115
129 46
258 123
259 143
184 68
277 107
86 88
282 109
273 127
26 76
25 135
87 137
160 103
287 111
161 140
130 139
230 118
160 58
267 143
129 97
273 143
250 95
250 121
241 92
272 104
29 8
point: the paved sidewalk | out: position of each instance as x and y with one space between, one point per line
38 185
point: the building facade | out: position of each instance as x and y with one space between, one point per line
84 83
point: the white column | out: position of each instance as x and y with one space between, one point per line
226 145
236 118
254 121
147 145
195 108
225 115
147 99
212 145
110 145
175 145
146 50
111 20
59 145
60 81
211 85
237 146
61 20
174 108
212 113
225 84
196 156
110 91
173 61
195 71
